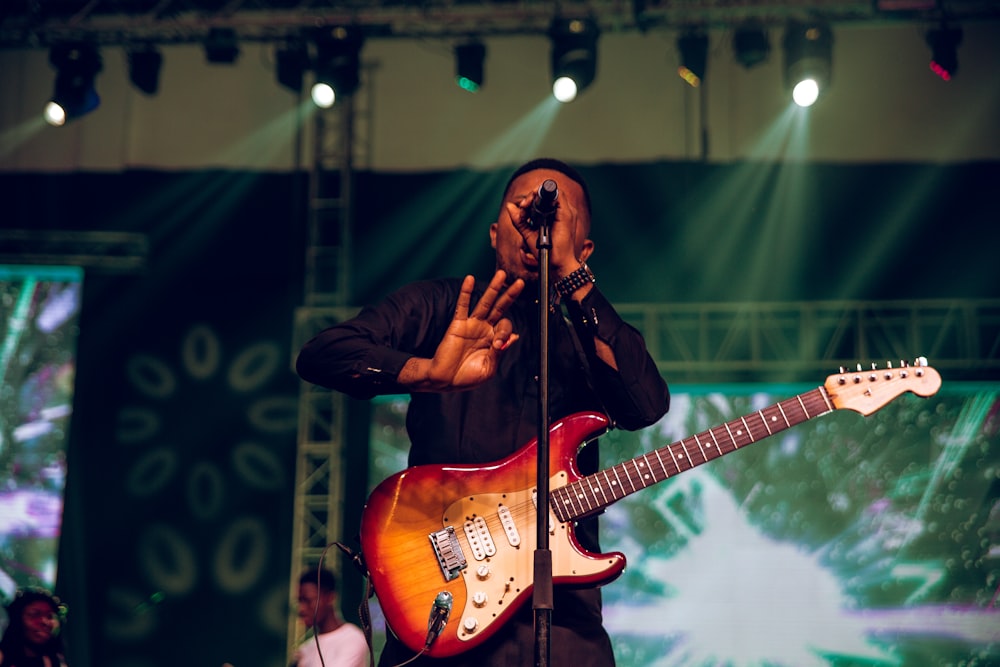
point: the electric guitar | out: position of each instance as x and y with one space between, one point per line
449 548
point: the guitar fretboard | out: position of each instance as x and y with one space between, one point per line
592 493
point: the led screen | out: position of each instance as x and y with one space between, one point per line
843 540
39 310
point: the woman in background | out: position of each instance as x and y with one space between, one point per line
32 638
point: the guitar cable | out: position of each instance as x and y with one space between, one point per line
364 613
440 611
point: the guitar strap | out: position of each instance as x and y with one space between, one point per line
365 614
576 313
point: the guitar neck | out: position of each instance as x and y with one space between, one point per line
593 493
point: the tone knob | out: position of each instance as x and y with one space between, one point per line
469 623
479 599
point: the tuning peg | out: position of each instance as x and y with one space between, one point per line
859 368
921 361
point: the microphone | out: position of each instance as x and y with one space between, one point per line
544 207
440 611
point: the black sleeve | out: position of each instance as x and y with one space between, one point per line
363 355
635 395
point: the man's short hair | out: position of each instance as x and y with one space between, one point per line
554 165
321 578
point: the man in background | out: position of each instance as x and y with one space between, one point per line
341 644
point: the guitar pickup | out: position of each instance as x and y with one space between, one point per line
509 526
480 540
449 553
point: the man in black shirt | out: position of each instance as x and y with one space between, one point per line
467 353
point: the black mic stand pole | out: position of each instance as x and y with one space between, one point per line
543 602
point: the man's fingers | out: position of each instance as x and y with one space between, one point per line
464 298
505 336
489 297
507 298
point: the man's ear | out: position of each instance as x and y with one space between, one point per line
587 250
493 236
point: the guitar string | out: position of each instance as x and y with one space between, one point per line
591 493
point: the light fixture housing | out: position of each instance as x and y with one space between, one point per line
222 46
469 57
291 61
338 64
692 45
944 43
751 44
574 56
144 64
808 47
77 65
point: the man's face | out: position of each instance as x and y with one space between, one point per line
308 612
517 255
40 620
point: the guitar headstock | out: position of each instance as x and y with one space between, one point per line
866 391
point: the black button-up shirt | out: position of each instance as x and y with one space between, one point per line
363 356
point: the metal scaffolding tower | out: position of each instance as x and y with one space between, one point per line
319 475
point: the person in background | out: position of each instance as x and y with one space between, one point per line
341 644
32 637
467 351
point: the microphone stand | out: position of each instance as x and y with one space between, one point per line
543 593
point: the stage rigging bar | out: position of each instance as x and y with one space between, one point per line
795 341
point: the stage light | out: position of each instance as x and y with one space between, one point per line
338 64
221 46
944 51
290 63
76 64
469 65
751 45
144 65
574 56
693 48
808 58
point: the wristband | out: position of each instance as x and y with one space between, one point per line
574 281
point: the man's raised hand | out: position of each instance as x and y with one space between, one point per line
467 355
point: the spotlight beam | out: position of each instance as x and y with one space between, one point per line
574 56
469 58
944 43
337 65
76 65
808 59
